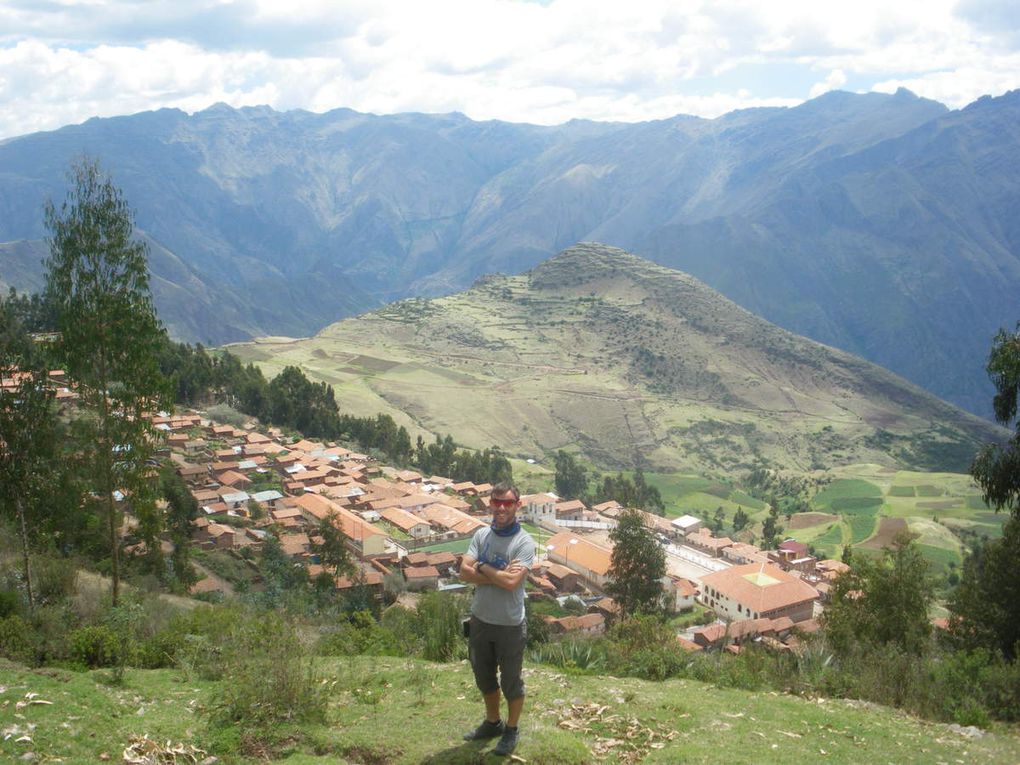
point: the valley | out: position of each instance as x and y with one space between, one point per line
627 364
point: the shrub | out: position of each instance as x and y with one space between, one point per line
17 640
158 651
95 646
400 626
1000 685
749 670
362 634
53 625
645 646
10 603
656 663
439 617
198 638
53 579
271 676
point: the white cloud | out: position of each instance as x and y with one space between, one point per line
960 86
63 62
835 81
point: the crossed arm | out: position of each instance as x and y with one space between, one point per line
509 578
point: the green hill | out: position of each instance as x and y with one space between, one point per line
627 362
394 711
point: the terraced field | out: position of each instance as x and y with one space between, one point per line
626 363
868 505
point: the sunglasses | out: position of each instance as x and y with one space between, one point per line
509 502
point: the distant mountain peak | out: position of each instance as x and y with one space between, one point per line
876 223
583 262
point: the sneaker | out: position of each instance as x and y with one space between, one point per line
484 731
507 742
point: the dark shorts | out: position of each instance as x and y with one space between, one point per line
493 646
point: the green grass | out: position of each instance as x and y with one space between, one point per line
861 527
747 501
689 618
832 537
459 546
226 565
845 489
940 557
404 711
540 535
674 486
901 491
398 534
856 505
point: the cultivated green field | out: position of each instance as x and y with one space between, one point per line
874 503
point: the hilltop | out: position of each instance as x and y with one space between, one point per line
884 225
401 711
627 362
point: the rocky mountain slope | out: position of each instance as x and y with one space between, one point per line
883 225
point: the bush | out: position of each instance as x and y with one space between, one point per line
18 641
362 634
658 663
271 676
439 618
1000 685
157 651
401 631
10 603
53 579
197 639
96 646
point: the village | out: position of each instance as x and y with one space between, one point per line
399 523
394 520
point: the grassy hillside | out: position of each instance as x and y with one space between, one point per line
603 353
389 710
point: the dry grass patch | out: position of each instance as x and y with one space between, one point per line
807 520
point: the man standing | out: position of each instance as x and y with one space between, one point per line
497 563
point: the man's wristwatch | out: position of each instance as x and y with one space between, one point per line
478 566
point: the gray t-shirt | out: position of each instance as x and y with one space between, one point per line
493 604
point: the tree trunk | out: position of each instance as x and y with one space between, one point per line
107 467
24 552
114 547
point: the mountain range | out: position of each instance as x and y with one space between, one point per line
631 364
885 225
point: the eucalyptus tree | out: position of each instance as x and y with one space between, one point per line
28 447
637 566
997 467
98 281
985 608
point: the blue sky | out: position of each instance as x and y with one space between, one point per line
64 61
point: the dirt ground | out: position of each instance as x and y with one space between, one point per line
887 531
